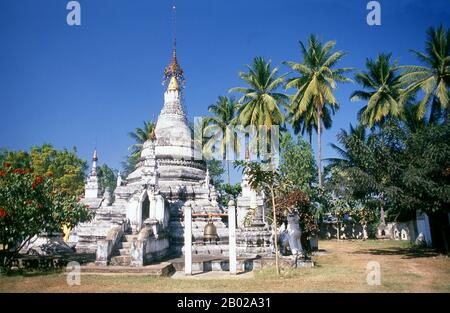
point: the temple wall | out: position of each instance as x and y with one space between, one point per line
156 249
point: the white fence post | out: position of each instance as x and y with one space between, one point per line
188 240
232 236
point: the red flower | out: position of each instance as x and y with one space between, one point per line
49 174
18 171
2 213
37 181
6 164
2 173
27 171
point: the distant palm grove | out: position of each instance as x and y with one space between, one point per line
394 162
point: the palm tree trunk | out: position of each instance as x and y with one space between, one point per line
224 158
228 171
319 157
382 217
338 231
310 138
277 266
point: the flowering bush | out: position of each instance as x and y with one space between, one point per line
31 205
298 201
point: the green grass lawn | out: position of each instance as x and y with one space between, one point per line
341 267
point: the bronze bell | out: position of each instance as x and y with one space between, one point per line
210 232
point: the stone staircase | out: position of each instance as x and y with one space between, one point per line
89 233
121 256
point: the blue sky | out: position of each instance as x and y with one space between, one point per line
91 84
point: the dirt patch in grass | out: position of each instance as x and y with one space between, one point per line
340 267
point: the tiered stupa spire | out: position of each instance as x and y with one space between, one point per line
93 188
173 73
172 133
94 163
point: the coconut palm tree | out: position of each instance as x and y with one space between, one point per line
314 87
345 158
140 135
221 124
383 90
260 103
410 121
433 78
307 121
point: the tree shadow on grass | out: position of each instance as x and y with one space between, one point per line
406 253
31 273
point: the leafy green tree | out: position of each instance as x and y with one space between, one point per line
269 182
222 123
433 78
68 169
108 177
229 192
216 171
425 179
31 204
314 87
15 158
346 158
339 182
401 171
368 165
383 90
297 164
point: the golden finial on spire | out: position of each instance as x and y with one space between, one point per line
173 85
